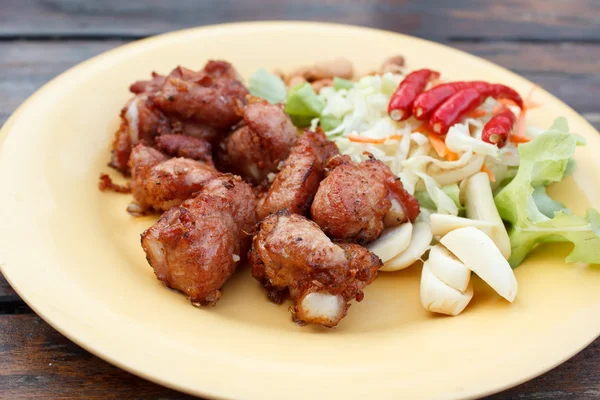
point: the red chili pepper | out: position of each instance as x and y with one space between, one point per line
427 102
498 91
498 129
453 109
401 103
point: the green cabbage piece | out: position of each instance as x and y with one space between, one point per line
268 86
329 122
303 105
341 83
533 215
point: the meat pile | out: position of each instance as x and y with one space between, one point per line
236 183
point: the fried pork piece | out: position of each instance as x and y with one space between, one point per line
186 147
150 86
202 104
256 149
356 201
210 97
293 258
159 183
295 185
141 121
196 247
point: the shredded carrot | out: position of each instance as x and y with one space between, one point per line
520 129
519 139
396 137
497 109
438 145
477 113
485 169
441 149
451 156
423 128
363 139
507 102
530 105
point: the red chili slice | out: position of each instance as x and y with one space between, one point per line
498 129
453 109
499 91
401 103
427 102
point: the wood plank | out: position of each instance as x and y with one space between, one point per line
9 300
36 361
578 378
539 58
459 19
567 70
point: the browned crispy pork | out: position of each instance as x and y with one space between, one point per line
203 104
141 121
159 183
150 86
295 185
356 201
186 147
209 97
257 148
196 246
293 258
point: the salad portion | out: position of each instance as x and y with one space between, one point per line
465 151
320 180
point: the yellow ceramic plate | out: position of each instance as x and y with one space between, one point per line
73 253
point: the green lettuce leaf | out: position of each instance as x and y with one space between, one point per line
534 216
267 86
546 205
303 105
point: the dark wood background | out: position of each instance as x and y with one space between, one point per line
553 43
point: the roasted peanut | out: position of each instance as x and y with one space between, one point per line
393 68
304 72
340 67
394 60
279 73
321 83
295 80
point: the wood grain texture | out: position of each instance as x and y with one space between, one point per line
547 20
36 361
9 300
554 43
27 65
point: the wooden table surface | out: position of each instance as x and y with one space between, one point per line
556 44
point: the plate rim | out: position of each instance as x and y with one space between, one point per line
98 351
